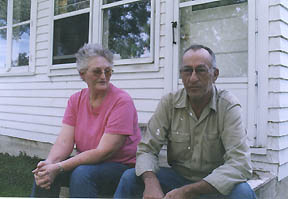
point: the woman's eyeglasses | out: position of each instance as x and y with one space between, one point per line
98 72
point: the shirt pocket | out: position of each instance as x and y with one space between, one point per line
213 151
178 147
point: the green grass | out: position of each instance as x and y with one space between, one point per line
16 176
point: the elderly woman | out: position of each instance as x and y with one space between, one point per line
101 121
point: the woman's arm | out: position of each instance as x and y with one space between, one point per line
47 170
63 146
109 144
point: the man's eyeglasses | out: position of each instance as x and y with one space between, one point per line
198 70
98 72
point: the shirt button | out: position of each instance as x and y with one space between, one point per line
157 132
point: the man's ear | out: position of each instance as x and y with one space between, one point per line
216 74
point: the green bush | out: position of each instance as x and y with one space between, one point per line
16 176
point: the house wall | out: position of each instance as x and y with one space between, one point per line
31 107
276 157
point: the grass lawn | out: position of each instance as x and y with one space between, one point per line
16 176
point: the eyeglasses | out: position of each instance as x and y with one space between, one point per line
200 71
98 72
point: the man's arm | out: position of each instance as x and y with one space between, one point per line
237 166
153 188
149 147
191 191
154 138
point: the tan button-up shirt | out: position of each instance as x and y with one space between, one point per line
212 148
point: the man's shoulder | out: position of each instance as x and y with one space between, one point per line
174 96
226 97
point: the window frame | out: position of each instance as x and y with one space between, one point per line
96 10
8 69
149 59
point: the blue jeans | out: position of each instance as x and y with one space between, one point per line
132 186
89 181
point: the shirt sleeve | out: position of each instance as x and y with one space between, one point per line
237 164
122 117
154 138
70 114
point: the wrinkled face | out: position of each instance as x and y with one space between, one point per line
98 74
197 74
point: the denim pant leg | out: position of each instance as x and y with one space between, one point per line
94 181
61 180
132 186
242 191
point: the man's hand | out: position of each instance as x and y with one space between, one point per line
181 193
191 191
153 188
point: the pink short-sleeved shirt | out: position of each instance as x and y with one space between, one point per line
116 115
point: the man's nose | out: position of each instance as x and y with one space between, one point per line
194 76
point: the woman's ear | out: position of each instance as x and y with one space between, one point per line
82 75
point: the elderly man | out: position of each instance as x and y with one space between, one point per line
205 136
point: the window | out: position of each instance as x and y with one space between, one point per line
221 25
126 27
71 29
15 35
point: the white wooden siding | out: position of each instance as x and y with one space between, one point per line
277 141
32 107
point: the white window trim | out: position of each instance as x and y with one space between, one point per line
20 70
262 67
95 36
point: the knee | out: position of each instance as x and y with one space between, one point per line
80 174
128 176
242 190
130 185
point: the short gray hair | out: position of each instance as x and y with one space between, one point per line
91 50
195 47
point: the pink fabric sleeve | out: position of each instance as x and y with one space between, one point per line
121 118
70 112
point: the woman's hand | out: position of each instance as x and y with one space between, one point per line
45 174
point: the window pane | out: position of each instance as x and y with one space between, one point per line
126 30
3 47
21 10
222 2
3 13
64 6
224 28
69 35
20 45
109 1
